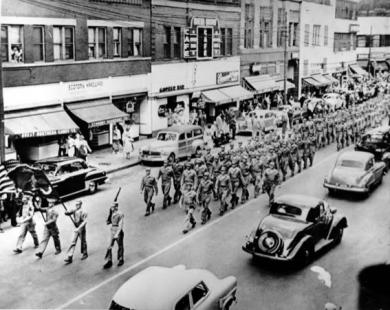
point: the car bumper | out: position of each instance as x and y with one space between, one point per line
345 188
249 249
153 158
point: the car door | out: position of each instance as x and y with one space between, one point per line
190 139
65 185
78 176
377 169
182 145
315 229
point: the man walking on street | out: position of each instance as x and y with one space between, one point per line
149 188
188 202
80 221
27 224
115 219
50 230
177 168
166 174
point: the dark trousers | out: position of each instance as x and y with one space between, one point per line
119 242
177 195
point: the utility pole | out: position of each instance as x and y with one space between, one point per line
369 51
2 134
286 37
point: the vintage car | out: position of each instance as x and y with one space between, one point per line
335 101
296 227
377 142
70 176
176 288
173 142
355 172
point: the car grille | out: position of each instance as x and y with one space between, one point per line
151 153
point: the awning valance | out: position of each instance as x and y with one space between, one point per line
321 79
262 83
358 70
39 123
216 97
97 112
312 82
331 79
289 85
237 93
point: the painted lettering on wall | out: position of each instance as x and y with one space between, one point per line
171 88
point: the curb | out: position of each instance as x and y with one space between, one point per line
113 170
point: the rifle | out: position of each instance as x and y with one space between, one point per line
110 212
66 210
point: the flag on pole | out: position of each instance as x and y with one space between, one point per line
6 184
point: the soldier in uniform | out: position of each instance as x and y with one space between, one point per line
27 224
271 180
236 181
166 175
50 229
188 201
178 169
205 190
257 170
312 150
300 151
293 158
246 171
223 187
115 219
284 157
189 176
80 221
339 133
149 188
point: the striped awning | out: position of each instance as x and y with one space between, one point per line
261 84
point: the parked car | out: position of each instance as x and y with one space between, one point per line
173 142
355 172
377 142
334 101
296 227
176 288
70 176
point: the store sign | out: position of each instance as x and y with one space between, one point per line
202 21
227 77
294 55
256 68
190 43
354 28
171 88
130 106
53 132
84 85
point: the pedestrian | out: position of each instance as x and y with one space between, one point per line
71 145
271 180
166 175
115 219
149 188
61 147
83 148
127 142
80 221
116 138
27 224
50 229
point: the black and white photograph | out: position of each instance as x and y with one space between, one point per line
195 154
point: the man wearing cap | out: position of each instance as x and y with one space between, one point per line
115 219
27 224
149 188
50 230
236 181
205 190
166 175
271 179
80 221
189 176
178 169
223 187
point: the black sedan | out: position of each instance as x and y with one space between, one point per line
296 227
70 176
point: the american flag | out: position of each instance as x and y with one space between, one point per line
6 184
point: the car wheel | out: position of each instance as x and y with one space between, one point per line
304 255
338 235
92 187
172 158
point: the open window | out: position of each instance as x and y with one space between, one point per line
184 303
182 137
198 293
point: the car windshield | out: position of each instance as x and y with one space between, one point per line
286 210
350 163
167 136
47 168
375 138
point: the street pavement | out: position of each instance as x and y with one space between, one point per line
157 240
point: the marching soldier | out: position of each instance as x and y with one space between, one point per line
50 229
306 152
293 158
236 181
80 221
149 188
339 134
166 175
115 219
223 188
246 170
178 169
300 151
189 176
284 157
271 180
205 190
312 150
257 169
27 224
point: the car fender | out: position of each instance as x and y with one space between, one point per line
338 222
307 239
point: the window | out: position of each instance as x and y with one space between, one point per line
343 41
198 132
177 42
385 40
326 35
226 41
184 303
249 18
293 34
97 42
316 35
12 43
189 134
63 43
182 137
199 292
117 41
137 42
307 35
306 67
38 43
346 9
205 42
167 42
265 27
375 40
223 41
281 27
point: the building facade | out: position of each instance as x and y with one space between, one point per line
77 66
266 26
373 43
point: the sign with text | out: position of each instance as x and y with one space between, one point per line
190 43
227 77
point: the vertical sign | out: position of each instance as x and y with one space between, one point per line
217 43
190 43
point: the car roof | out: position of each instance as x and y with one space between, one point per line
58 160
356 155
301 201
378 130
163 287
181 128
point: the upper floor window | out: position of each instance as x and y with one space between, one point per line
307 35
117 41
344 41
12 44
38 43
167 42
362 41
265 27
63 43
177 42
316 35
205 42
249 18
134 42
326 35
226 41
281 27
346 9
97 42
293 34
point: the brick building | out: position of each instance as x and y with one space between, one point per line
71 65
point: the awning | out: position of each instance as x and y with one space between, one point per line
39 123
382 65
312 82
237 93
216 97
262 83
97 112
358 70
321 79
331 79
281 85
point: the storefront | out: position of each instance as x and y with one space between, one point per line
317 83
177 88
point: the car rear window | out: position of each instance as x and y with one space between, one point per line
286 210
115 306
376 138
46 168
350 163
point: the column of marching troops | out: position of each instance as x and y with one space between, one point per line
264 162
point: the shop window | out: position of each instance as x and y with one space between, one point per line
117 41
38 43
97 42
12 44
177 42
205 42
316 35
63 43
